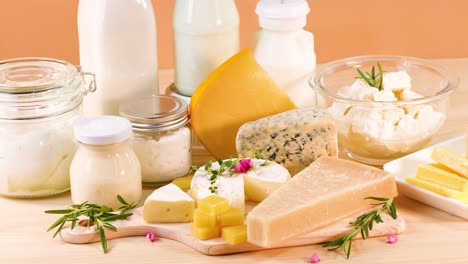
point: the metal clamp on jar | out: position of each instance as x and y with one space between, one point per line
161 137
40 100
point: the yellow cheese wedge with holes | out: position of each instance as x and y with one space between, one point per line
237 92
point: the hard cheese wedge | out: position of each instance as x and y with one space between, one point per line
452 160
323 193
235 93
441 177
442 190
168 204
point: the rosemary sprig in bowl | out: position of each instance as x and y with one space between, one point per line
372 79
363 224
100 215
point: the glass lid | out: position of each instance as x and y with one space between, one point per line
28 75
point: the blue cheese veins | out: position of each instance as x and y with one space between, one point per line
293 139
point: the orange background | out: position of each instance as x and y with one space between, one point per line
422 28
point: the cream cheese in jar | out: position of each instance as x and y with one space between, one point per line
161 137
105 165
40 100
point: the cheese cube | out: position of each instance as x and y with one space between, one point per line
396 81
205 233
168 204
213 204
452 160
442 190
232 217
234 234
323 193
293 139
204 219
435 175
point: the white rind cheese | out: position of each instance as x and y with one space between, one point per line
263 179
229 186
293 139
255 185
168 204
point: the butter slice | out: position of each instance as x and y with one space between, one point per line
452 160
442 190
435 175
323 193
168 204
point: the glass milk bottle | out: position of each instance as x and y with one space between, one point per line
284 49
118 44
206 33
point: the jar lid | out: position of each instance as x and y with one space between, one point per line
103 130
32 88
24 75
282 15
155 113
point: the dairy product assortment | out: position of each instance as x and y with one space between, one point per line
273 147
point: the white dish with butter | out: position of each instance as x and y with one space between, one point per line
407 166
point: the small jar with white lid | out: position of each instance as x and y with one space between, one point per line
161 137
105 164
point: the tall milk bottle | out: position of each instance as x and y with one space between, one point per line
284 49
118 44
206 33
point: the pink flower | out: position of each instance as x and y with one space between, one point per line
243 166
314 258
151 236
392 239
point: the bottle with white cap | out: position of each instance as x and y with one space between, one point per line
284 49
105 165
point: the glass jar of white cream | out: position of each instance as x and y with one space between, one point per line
105 164
161 137
40 100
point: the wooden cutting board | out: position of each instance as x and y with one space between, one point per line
136 226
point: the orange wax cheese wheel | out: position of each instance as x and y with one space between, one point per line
323 193
237 92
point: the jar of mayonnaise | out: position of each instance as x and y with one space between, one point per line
105 164
206 33
40 101
161 137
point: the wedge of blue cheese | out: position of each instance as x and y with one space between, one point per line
294 139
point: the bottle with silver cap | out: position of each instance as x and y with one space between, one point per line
161 137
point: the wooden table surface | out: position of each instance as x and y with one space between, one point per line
432 236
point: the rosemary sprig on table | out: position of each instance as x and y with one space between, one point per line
102 216
363 224
372 79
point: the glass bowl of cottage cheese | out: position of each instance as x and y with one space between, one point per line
385 107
